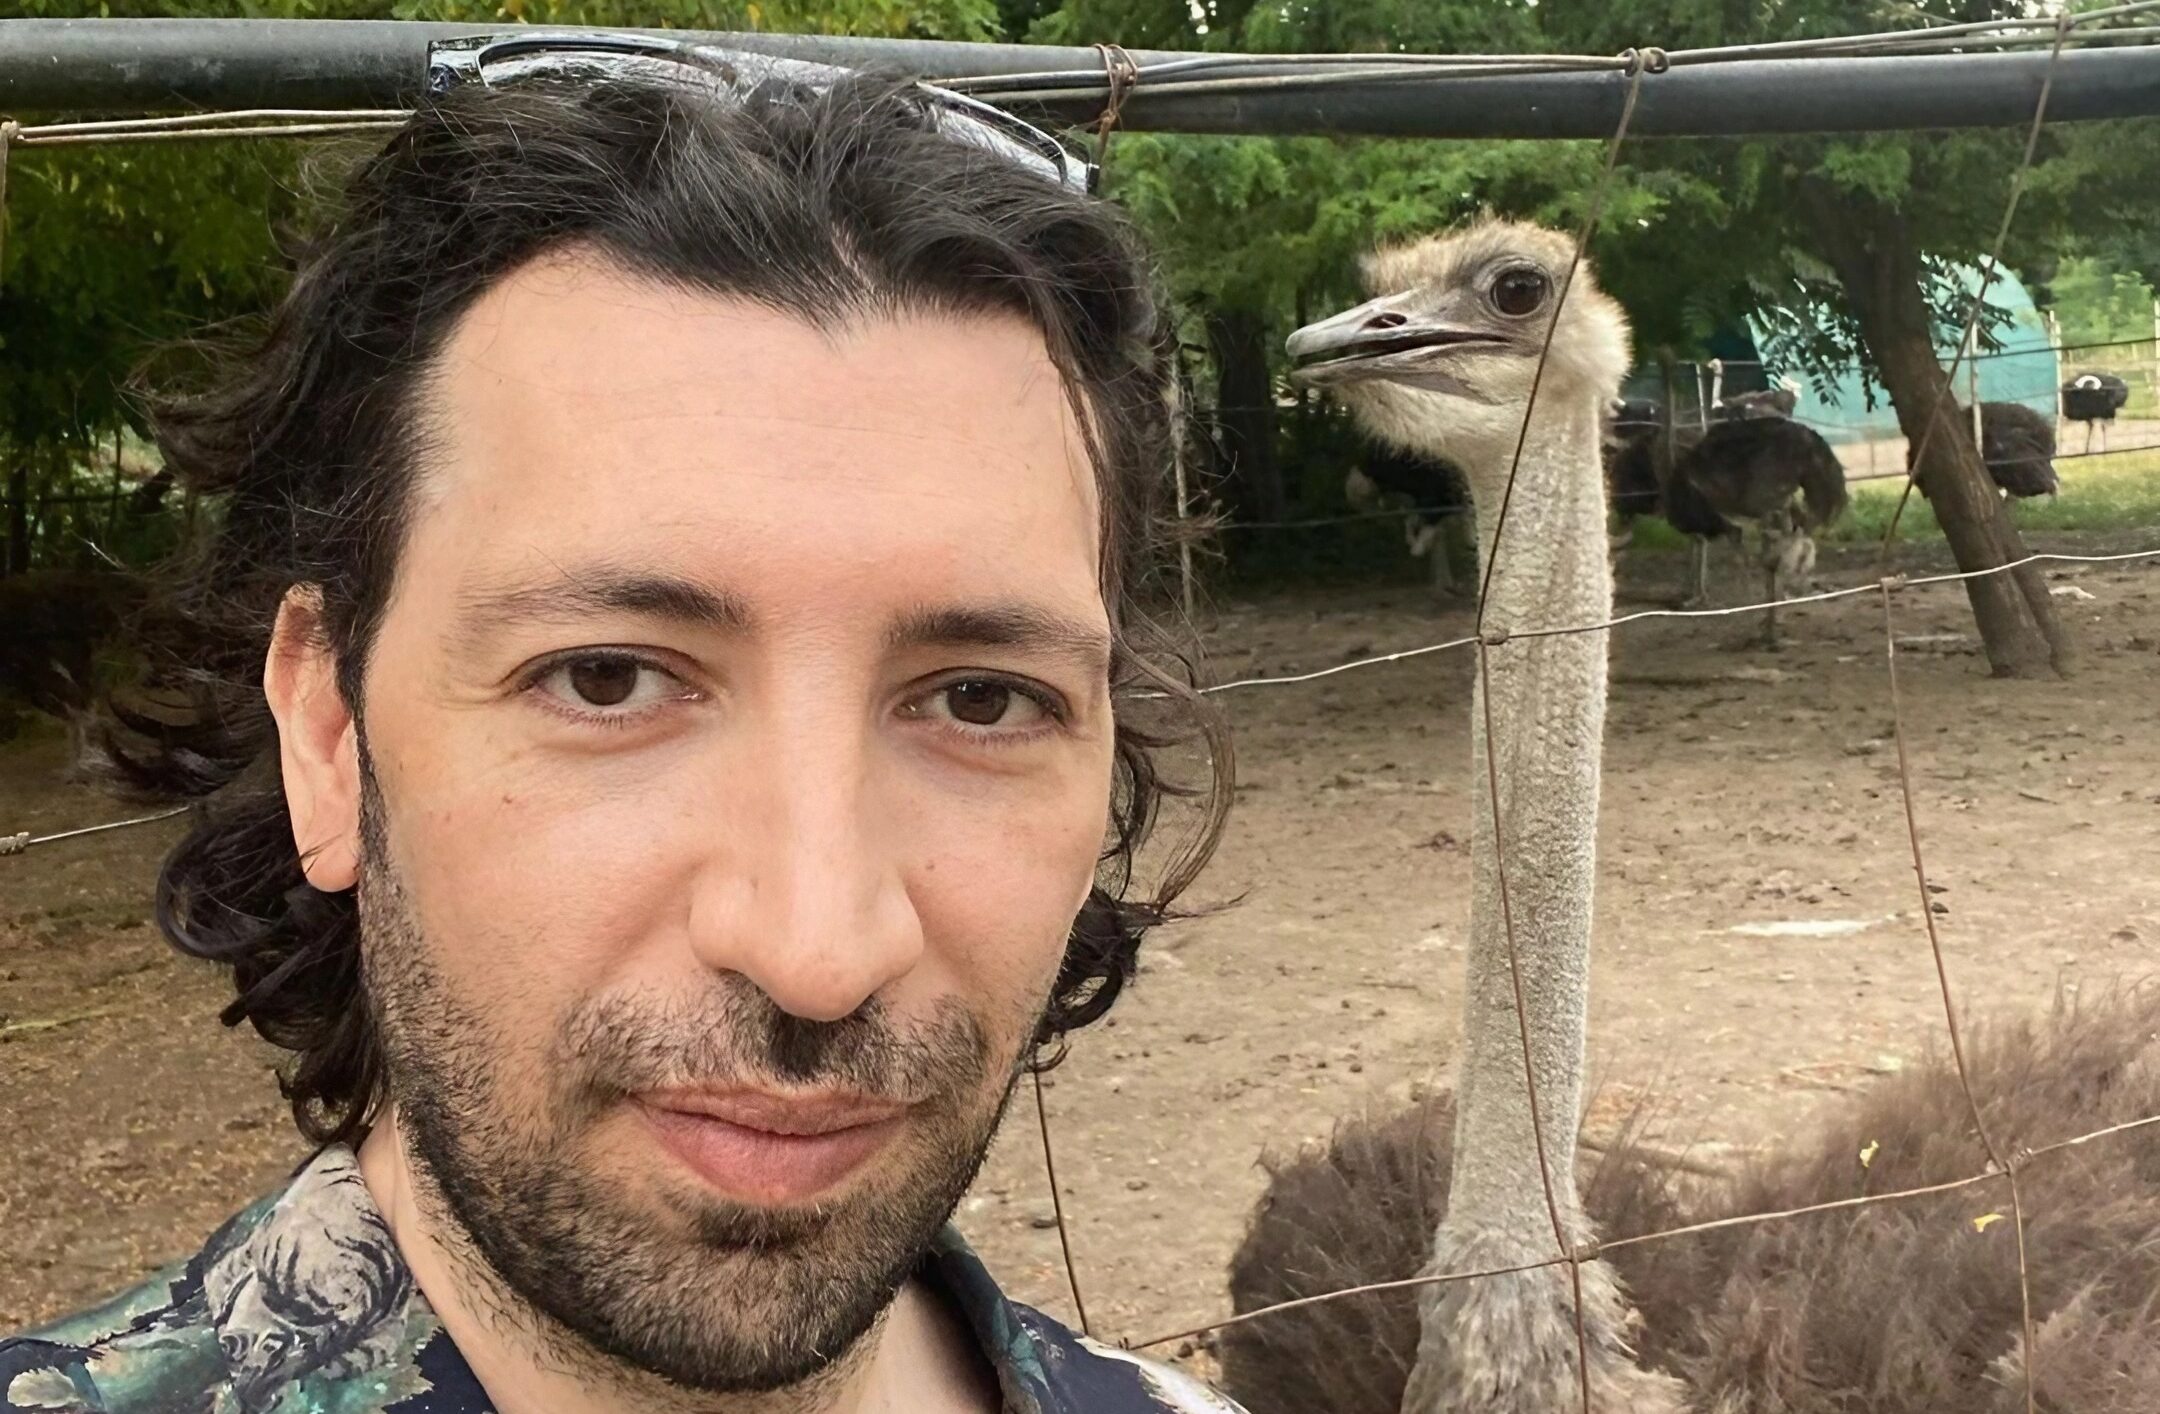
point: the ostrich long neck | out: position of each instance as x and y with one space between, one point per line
1548 720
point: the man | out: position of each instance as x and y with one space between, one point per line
655 693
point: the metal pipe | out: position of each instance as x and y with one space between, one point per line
148 65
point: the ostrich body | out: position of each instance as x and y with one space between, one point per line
2094 398
1436 495
1771 470
1905 1308
2017 445
1753 463
1441 363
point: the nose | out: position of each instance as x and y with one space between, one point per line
806 895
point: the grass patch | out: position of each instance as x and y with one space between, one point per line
2113 491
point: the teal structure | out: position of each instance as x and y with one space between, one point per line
2025 369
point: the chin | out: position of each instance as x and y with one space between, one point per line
652 1267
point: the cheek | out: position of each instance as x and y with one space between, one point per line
997 894
533 894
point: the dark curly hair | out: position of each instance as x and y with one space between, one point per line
825 207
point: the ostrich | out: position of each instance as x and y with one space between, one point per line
1436 495
1752 463
1904 1308
1633 452
2094 398
2018 447
1441 362
1776 472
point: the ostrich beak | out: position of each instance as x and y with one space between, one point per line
1387 339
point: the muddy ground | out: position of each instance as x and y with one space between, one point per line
1743 790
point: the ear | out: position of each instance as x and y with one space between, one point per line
318 743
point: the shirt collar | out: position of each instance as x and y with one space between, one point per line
310 1279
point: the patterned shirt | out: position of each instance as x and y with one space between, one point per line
301 1304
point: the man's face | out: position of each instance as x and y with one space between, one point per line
741 749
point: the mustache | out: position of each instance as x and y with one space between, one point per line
734 1036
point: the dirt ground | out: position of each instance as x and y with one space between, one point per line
1743 790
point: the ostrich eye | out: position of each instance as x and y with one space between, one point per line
1520 291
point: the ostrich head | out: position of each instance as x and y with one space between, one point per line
1440 360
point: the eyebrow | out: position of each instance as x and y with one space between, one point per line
601 590
595 591
1003 626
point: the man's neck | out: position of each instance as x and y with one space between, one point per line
917 1357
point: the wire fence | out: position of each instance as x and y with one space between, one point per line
1493 640
2004 1165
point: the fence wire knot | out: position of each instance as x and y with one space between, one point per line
1492 637
1122 74
1649 59
1585 1251
1891 583
15 843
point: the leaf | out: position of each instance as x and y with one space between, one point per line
1986 1221
1868 1151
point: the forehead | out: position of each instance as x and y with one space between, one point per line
577 406
1453 259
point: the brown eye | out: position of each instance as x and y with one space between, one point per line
611 684
979 704
603 682
1520 291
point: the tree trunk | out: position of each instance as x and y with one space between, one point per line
1245 410
1877 262
18 530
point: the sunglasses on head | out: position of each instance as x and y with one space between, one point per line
496 61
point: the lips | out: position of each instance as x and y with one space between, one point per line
770 1150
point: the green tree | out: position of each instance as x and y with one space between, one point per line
2098 303
1851 240
115 251
111 251
1260 234
1871 222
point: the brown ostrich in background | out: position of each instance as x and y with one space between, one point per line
2017 445
1752 463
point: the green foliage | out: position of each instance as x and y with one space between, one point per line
1812 334
897 19
2098 303
1136 24
113 252
1260 224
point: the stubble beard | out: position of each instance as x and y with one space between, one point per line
701 1292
